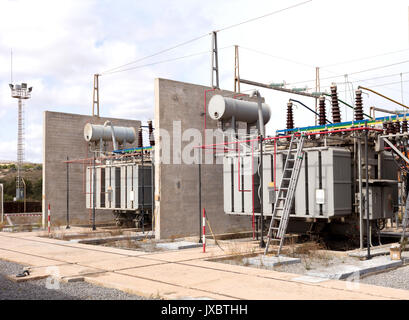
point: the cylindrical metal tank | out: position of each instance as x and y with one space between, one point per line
223 108
94 132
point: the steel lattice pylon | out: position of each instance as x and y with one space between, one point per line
20 92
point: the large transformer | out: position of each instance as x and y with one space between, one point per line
350 180
121 180
124 186
325 187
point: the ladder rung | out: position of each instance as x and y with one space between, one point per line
274 228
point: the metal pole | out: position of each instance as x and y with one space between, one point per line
153 184
262 243
261 133
200 195
361 216
68 197
367 195
93 194
143 192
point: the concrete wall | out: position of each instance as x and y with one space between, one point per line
63 136
176 185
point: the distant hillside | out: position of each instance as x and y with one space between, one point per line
32 174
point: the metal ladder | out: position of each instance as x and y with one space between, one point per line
285 195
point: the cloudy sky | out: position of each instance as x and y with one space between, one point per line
58 46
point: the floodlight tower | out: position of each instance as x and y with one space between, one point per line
20 92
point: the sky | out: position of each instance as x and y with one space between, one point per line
57 46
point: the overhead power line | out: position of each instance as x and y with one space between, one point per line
364 58
352 73
157 53
277 57
110 71
264 15
164 61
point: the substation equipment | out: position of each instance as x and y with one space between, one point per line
350 179
120 180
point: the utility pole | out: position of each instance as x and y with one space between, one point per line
95 96
20 92
236 69
215 62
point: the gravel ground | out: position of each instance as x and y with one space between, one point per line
36 289
398 278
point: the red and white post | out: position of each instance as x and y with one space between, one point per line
49 220
204 230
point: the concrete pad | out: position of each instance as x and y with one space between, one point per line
187 254
148 288
271 261
27 278
363 267
67 270
121 263
178 245
309 279
27 260
374 252
236 285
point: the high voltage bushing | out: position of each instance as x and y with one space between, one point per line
404 125
140 138
336 114
359 112
385 127
390 128
151 137
322 116
397 126
290 116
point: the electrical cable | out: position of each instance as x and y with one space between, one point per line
164 61
263 16
157 53
352 73
110 71
276 57
364 58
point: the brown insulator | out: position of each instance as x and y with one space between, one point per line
404 126
322 116
385 127
359 111
290 117
336 114
151 137
397 126
390 128
140 138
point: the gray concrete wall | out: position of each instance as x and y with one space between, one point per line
63 136
176 185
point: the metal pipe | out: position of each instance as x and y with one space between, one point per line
385 97
153 186
361 218
68 196
262 85
94 180
367 196
200 195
